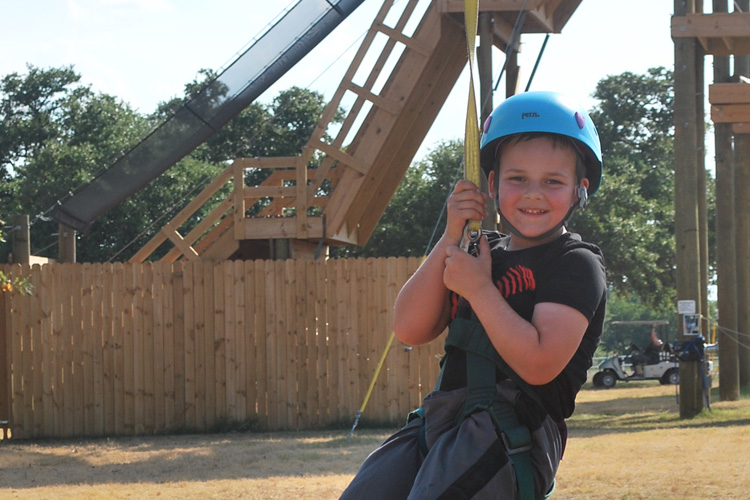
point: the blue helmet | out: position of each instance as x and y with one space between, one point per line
548 112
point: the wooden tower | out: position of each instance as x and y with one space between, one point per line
361 167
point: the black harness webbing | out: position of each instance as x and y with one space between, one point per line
482 361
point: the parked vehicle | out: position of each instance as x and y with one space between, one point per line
658 364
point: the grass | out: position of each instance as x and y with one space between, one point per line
625 443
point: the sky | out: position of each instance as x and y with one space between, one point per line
145 51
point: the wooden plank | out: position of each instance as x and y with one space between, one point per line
287 344
97 336
68 340
46 297
139 407
108 349
238 358
343 402
729 93
271 162
207 224
35 320
220 373
322 341
160 273
272 343
720 33
202 377
302 357
26 374
209 342
149 352
118 346
261 346
129 387
249 334
5 363
730 113
189 340
280 228
88 346
179 242
178 344
172 281
226 268
309 392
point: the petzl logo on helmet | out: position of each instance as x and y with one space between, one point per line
530 114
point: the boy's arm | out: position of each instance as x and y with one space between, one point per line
422 308
537 350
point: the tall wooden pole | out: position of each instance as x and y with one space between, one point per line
21 242
484 66
742 209
686 87
725 234
66 243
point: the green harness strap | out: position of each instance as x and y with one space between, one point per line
482 360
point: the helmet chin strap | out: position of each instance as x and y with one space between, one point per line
582 202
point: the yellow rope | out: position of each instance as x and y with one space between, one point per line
471 167
471 135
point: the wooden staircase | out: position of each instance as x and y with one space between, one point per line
367 156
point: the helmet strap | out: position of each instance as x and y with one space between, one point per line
511 229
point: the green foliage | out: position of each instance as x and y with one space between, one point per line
632 216
416 209
56 134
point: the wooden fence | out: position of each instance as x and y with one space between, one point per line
130 349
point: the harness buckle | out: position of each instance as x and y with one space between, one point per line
515 449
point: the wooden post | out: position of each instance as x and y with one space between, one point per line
484 65
725 256
66 243
21 239
742 209
686 197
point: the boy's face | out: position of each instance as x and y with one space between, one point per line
536 184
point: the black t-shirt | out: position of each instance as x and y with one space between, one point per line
565 271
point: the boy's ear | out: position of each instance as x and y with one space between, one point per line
491 183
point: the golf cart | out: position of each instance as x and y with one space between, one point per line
657 363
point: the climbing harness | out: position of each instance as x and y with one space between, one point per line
473 229
482 364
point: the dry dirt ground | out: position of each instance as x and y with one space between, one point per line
625 443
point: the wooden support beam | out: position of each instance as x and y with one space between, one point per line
178 241
730 113
729 93
543 16
280 228
720 33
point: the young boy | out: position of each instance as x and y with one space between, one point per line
525 315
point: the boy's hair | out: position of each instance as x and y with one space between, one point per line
558 140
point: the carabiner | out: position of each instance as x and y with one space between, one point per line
470 239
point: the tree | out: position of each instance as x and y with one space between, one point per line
632 216
56 134
416 209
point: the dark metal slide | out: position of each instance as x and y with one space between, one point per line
305 25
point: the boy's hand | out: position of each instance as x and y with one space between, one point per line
465 274
466 203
